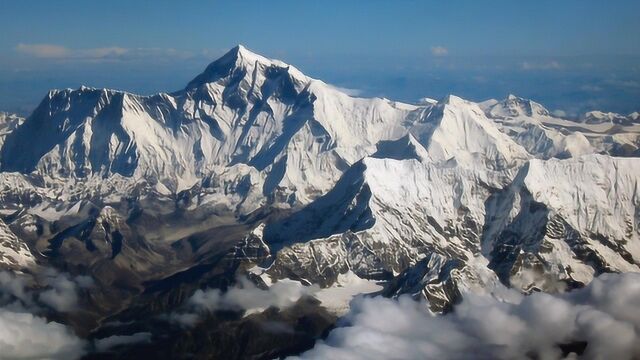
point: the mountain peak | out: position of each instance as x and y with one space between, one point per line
599 117
452 100
515 106
243 55
243 59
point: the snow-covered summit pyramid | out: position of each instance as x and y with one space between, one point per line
239 62
458 130
243 110
514 106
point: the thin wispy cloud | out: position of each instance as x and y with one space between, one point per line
559 113
547 65
439 51
45 51
623 83
591 88
245 296
118 340
349 91
112 53
62 290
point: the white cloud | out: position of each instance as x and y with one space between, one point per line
46 51
348 91
244 296
62 289
591 88
113 53
61 295
247 296
623 83
117 340
25 336
12 287
550 65
439 51
559 113
605 315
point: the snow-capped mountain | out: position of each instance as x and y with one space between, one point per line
14 254
545 136
567 219
243 109
255 169
599 117
8 123
455 130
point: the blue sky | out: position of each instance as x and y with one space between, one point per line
572 55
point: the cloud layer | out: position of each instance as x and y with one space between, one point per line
605 315
439 51
118 340
112 53
62 290
550 65
24 334
245 296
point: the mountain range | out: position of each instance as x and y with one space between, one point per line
257 178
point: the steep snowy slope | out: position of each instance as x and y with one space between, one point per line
458 132
243 109
383 217
442 230
14 253
566 220
8 123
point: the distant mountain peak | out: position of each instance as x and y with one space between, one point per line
599 117
243 54
515 106
241 60
452 100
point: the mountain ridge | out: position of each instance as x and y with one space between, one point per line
256 171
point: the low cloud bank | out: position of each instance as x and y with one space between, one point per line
26 335
113 53
62 290
439 51
604 316
244 296
118 340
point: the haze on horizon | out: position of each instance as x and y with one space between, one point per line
572 56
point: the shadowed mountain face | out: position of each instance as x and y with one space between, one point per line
238 217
